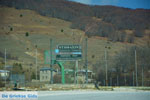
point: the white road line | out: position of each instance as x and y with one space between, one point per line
66 93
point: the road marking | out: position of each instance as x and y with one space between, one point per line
67 93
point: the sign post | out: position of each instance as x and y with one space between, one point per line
76 72
69 53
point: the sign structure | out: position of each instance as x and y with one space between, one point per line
47 57
68 52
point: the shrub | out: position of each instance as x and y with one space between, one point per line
27 34
2 84
11 29
21 15
62 30
57 78
33 76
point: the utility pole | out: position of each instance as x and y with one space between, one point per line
86 61
125 79
36 63
142 76
110 81
117 80
104 83
106 67
76 72
5 68
133 78
136 68
51 60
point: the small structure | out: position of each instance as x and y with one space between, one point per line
4 74
45 74
81 75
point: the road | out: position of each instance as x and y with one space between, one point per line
93 95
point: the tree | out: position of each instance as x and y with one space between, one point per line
122 37
130 39
33 76
119 36
17 68
138 32
124 62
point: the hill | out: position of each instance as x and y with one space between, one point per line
113 23
15 24
27 24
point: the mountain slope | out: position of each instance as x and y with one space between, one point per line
115 19
17 23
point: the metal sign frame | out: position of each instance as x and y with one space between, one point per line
72 52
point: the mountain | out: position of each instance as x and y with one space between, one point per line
104 21
22 30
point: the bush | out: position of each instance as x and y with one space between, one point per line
68 79
11 29
33 76
57 78
62 30
21 15
27 34
93 56
1 83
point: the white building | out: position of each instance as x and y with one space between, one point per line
4 74
45 74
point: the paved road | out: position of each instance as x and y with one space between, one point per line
93 95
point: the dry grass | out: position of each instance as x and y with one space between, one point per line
41 29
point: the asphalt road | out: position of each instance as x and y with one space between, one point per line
93 95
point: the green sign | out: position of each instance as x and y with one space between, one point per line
68 57
47 57
68 52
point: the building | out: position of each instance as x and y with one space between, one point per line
45 74
4 74
82 75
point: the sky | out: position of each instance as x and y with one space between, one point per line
133 4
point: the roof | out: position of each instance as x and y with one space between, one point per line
8 66
84 70
69 70
47 68
4 71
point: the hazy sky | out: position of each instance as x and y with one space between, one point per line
121 3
